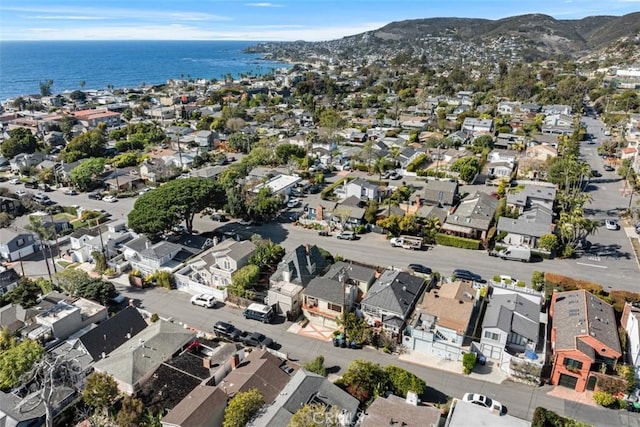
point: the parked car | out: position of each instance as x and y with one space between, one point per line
323 233
611 224
70 192
419 268
110 199
14 181
31 184
204 300
218 217
468 275
608 168
246 222
21 193
293 203
346 235
595 173
255 339
485 402
94 195
638 228
226 330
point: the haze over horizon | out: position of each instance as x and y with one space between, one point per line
284 20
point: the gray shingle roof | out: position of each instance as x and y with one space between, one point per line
136 358
475 212
112 333
395 292
325 289
513 313
355 272
580 314
303 388
301 265
523 227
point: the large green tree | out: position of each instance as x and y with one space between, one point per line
364 380
88 144
26 293
100 391
402 381
316 415
264 205
242 407
83 176
174 202
20 140
18 360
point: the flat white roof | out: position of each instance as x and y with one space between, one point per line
278 183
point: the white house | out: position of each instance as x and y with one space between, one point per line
630 321
474 125
279 184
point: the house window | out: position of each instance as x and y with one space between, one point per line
492 336
20 242
226 265
334 307
572 364
311 301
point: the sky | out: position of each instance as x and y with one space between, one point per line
310 20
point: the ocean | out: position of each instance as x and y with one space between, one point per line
99 64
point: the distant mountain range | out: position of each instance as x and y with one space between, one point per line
533 37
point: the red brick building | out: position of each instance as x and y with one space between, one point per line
584 339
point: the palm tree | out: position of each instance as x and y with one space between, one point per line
43 233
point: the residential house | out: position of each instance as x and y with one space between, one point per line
26 160
407 155
362 189
16 244
107 239
508 107
156 170
535 207
133 363
280 184
584 339
630 321
63 170
473 217
110 334
66 318
210 172
203 407
391 300
443 321
8 279
261 370
361 276
477 125
443 193
508 141
93 117
213 268
540 152
148 257
514 328
394 410
206 140
556 109
325 300
348 213
120 180
10 206
293 274
461 412
202 362
181 160
307 388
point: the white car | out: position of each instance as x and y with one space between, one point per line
14 181
611 224
21 193
485 402
293 203
204 300
110 199
246 222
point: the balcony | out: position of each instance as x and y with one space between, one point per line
329 314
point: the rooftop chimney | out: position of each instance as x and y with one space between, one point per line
235 361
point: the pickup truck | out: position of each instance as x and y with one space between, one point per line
407 242
255 339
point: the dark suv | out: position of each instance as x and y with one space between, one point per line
226 330
94 195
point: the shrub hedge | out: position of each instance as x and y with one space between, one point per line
457 242
544 418
329 189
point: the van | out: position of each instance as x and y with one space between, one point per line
31 184
42 199
261 312
513 253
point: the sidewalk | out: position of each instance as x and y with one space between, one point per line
310 330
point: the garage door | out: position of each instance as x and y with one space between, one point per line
568 381
422 346
492 352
